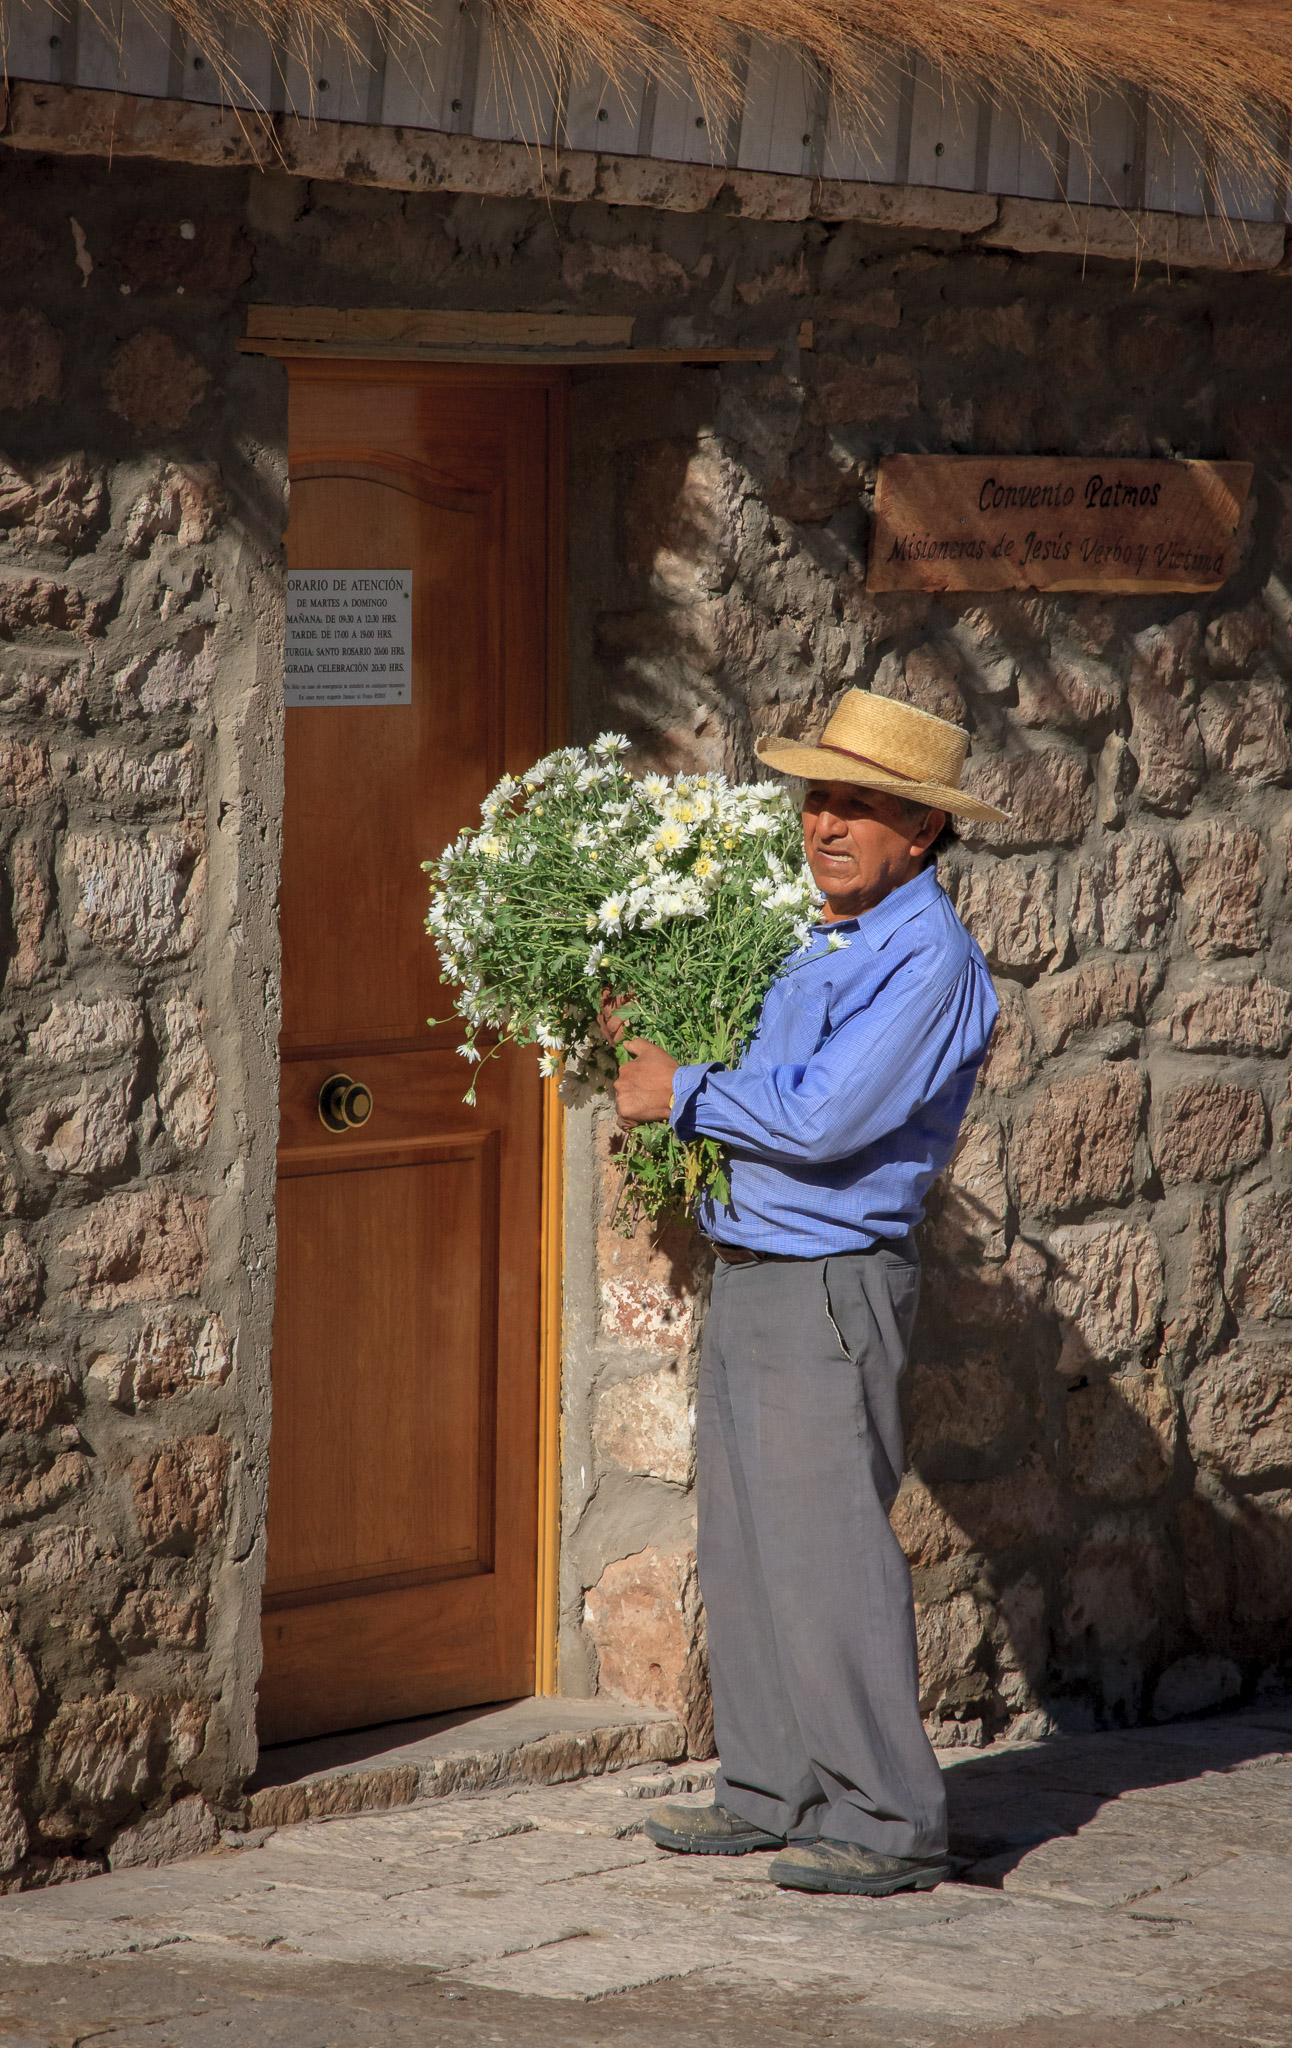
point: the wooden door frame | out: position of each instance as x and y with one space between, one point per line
552 1224
552 1199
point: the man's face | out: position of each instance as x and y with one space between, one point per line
861 844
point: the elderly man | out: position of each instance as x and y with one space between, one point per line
843 1110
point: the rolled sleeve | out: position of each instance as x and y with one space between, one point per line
864 1083
687 1083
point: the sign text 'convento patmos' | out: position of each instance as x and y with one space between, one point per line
1039 522
349 637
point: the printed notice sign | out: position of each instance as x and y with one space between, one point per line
349 637
1039 522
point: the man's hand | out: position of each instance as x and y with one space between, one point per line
644 1090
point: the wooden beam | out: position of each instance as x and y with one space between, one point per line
438 329
404 352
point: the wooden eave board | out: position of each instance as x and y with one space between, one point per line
403 324
402 352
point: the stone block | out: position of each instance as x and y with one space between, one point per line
87 1133
52 505
1021 1641
1111 1604
101 1758
878 308
36 604
24 773
186 1091
971 330
1238 1409
1237 1017
928 678
116 777
183 499
1046 792
179 1493
1126 900
1234 639
48 1484
170 1355
1206 1130
963 1406
19 1690
1012 1057
624 263
779 281
1164 735
31 361
14 1836
1009 907
33 1396
862 394
1098 993
679 520
952 1640
1195 1685
84 1031
1066 692
140 897
46 684
1015 1511
1260 1230
1121 1436
154 384
176 678
150 1620
1245 732
1077 1147
140 1246
152 255
1201 1308
21 1277
1109 1291
38 937
646 1625
188 1828
973 1201
646 1425
1223 868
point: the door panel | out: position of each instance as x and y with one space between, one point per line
402 1540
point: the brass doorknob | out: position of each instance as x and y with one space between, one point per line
344 1104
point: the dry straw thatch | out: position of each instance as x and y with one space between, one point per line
1221 69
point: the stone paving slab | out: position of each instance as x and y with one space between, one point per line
1140 1875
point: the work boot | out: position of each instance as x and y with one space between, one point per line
706 1830
829 1866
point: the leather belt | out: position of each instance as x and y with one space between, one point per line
737 1254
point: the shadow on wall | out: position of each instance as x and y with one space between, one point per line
1077 1563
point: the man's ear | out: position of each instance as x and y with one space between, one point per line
929 830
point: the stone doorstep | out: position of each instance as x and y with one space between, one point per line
527 1742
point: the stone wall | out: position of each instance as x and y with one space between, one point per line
141 494
1097 1509
1101 1481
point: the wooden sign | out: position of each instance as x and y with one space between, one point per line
1039 522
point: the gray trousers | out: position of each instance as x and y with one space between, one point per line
808 1596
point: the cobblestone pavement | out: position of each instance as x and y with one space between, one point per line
1132 1888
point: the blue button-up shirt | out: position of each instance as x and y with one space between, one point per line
848 1100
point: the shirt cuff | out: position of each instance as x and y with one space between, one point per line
687 1083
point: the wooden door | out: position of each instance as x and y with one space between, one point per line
403 1456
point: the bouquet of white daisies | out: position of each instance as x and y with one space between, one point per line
684 895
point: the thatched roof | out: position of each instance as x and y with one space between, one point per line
1222 69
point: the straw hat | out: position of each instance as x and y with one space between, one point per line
880 744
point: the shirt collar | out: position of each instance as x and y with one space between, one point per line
897 908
